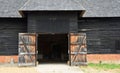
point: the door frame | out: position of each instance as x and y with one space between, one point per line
67 34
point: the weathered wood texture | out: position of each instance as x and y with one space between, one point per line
52 22
9 29
102 34
27 49
78 49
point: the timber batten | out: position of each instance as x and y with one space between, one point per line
27 52
78 49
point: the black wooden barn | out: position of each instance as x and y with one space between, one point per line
73 31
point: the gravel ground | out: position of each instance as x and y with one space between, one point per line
41 68
58 68
8 68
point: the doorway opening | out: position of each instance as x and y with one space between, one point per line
52 48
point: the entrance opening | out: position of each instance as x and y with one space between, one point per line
52 48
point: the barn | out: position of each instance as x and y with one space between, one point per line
59 31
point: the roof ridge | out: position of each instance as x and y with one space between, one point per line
78 3
24 4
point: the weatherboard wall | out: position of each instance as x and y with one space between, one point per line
52 22
103 34
9 29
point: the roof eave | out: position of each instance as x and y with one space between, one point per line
82 13
23 14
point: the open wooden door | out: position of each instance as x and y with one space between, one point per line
27 49
78 49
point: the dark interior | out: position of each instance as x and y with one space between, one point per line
52 48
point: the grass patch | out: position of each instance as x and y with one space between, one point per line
104 66
101 68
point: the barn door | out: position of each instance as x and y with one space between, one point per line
27 49
78 50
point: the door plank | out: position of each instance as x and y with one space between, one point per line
27 49
78 49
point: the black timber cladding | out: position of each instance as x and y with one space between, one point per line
9 29
103 34
52 22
